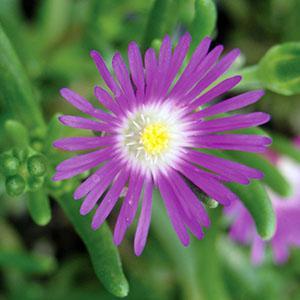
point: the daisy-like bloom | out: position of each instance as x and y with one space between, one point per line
287 212
151 131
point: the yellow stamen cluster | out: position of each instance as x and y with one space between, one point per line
155 138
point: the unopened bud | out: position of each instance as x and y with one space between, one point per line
36 165
15 185
9 164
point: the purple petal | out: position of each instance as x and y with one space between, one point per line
231 104
196 58
208 184
177 222
144 220
188 199
94 195
110 200
151 72
83 123
218 70
136 68
215 92
233 122
82 159
83 105
107 101
232 170
122 75
239 142
164 60
85 187
129 207
104 72
204 67
176 61
280 250
258 250
83 143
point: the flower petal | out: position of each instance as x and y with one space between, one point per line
144 220
109 201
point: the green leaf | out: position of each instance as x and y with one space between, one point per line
273 177
284 146
156 22
15 88
28 263
39 207
103 253
17 133
258 203
204 21
279 69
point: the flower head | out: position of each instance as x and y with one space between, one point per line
155 123
287 212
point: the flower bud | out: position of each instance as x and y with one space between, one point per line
20 154
15 185
36 165
35 183
9 164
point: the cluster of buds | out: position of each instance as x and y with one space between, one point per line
24 170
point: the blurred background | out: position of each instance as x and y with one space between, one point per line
45 46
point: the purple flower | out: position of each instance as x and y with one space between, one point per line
155 119
287 212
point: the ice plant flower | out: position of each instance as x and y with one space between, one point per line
287 213
154 121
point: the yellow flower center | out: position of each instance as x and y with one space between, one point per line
155 138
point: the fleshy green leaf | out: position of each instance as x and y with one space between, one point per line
284 146
15 88
279 69
103 253
258 203
156 21
39 207
25 262
204 21
273 177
